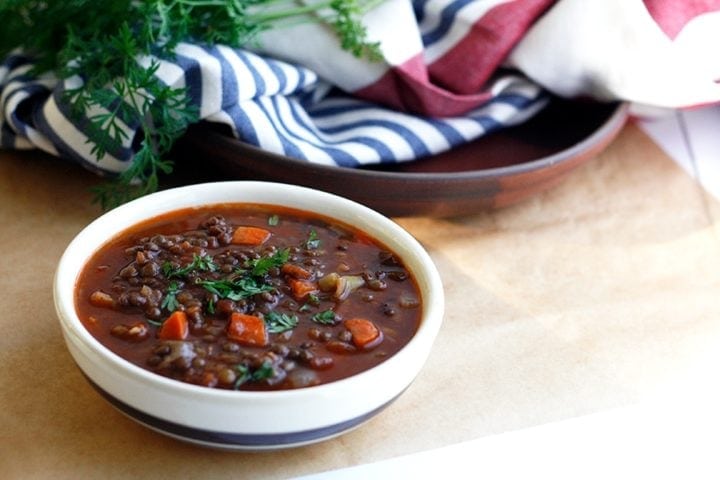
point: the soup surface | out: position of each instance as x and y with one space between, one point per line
248 297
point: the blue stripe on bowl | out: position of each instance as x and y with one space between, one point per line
238 441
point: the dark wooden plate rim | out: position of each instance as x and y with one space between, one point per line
613 123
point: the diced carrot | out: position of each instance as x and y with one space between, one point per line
247 329
296 271
301 288
365 334
175 327
250 236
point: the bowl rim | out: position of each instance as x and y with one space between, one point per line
129 214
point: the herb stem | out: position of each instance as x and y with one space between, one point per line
290 12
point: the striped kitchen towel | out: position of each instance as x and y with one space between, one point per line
452 71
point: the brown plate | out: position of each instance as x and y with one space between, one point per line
495 171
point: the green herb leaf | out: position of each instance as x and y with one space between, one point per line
170 302
199 263
264 372
261 266
211 307
245 375
273 220
353 36
312 301
280 322
326 317
237 289
313 241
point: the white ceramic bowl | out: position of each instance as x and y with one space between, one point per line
236 419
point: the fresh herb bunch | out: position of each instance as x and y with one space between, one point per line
97 48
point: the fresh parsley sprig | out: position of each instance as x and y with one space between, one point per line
106 53
261 266
280 322
313 240
241 284
238 289
170 302
326 317
200 263
245 374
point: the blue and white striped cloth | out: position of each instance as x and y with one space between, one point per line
274 105
299 108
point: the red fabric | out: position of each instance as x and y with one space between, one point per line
455 83
467 67
460 79
673 15
408 89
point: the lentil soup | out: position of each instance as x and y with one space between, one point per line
248 297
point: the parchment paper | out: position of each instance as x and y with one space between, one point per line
595 295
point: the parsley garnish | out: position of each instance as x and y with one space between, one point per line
104 48
245 375
265 371
313 241
312 301
170 302
242 284
199 263
261 266
280 322
237 289
273 220
326 317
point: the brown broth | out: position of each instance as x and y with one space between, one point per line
183 261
